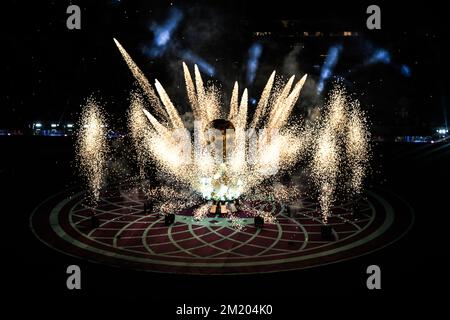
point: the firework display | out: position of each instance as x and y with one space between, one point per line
228 156
92 147
154 151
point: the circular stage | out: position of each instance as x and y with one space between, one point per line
127 237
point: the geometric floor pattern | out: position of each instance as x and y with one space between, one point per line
129 238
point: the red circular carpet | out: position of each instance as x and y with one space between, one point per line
129 238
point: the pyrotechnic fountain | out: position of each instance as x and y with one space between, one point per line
92 147
230 157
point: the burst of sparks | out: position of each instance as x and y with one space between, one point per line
341 150
267 216
92 147
236 222
358 148
336 144
201 212
249 162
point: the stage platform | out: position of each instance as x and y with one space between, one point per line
128 237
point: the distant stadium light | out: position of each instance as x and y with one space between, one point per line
69 125
37 125
54 125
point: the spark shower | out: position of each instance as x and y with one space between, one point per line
230 156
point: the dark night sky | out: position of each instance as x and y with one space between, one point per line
49 70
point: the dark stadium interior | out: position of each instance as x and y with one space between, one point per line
48 71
